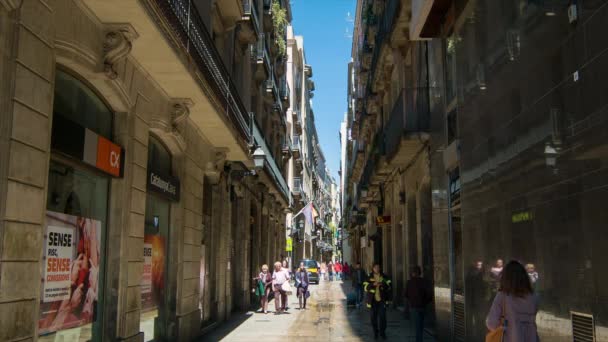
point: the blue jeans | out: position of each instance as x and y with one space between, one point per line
418 321
359 293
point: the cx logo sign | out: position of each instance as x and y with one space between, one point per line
115 159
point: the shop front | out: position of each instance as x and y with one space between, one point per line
83 161
162 190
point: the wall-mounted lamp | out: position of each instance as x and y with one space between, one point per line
259 157
551 155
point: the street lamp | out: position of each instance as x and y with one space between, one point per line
551 154
258 158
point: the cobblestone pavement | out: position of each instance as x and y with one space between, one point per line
326 319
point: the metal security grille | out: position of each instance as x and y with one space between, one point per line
459 318
583 327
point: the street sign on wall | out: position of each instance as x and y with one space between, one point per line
381 220
289 245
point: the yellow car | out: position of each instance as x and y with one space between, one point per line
312 267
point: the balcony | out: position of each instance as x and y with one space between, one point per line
231 11
270 165
261 57
272 91
297 121
284 92
427 18
408 125
268 26
250 24
193 38
286 148
297 188
295 146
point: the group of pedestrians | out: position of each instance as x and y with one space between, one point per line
277 285
334 270
511 318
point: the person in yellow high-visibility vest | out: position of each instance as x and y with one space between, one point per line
379 295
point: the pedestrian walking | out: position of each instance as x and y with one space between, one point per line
264 287
338 270
418 296
379 289
513 312
323 270
346 271
330 270
285 267
302 286
358 279
279 278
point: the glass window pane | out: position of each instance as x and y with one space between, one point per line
76 102
77 207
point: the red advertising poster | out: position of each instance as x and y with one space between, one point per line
152 280
70 272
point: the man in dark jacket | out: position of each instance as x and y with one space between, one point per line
418 295
379 290
358 277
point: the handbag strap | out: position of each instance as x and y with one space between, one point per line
504 304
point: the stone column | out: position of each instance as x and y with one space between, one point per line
399 271
264 248
189 252
27 71
425 228
411 230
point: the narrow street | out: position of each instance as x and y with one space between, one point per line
326 319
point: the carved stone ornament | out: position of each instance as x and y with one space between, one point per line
117 46
220 159
11 5
180 111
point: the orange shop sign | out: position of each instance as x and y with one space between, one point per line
102 153
381 220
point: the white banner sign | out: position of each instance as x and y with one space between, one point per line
146 278
58 255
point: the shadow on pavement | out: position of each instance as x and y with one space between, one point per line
225 328
397 327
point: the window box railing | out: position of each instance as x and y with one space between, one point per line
284 90
193 38
271 165
251 12
410 114
260 54
297 186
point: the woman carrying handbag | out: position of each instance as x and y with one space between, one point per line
302 285
280 285
512 317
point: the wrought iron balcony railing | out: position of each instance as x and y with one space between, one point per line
284 90
251 12
271 164
410 114
193 37
260 54
297 186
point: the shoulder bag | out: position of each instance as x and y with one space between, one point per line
286 287
498 334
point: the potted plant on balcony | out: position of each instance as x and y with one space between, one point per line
279 23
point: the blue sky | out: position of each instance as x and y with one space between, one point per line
327 44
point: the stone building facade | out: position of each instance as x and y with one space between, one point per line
387 187
148 150
501 155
